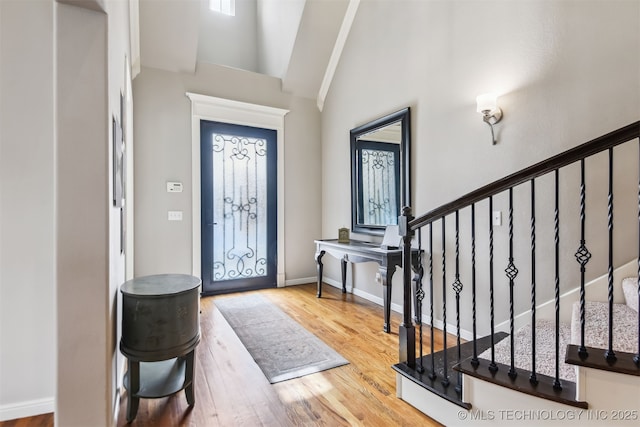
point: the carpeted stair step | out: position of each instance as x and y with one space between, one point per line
545 349
625 326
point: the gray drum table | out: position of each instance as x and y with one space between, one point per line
160 332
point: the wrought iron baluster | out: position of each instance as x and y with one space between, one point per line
511 272
493 367
419 297
610 354
533 378
432 375
457 287
557 385
474 360
445 379
582 256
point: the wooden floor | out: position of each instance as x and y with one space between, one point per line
232 391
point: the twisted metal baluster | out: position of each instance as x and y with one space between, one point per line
445 380
533 378
457 287
511 272
432 375
557 385
582 256
493 367
474 360
419 298
610 354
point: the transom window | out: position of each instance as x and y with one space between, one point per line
227 7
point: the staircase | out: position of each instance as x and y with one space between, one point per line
575 357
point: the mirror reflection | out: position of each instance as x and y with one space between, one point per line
379 172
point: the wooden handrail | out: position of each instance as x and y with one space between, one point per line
572 155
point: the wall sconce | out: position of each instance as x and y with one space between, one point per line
491 113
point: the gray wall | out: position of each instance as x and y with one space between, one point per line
566 72
162 117
60 260
27 288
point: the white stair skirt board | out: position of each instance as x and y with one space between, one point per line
495 405
29 408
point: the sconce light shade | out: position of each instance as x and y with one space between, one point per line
491 113
486 102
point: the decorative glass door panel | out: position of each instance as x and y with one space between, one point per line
377 182
379 187
238 207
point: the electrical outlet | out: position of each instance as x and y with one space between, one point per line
174 216
497 218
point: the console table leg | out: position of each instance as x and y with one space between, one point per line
319 256
189 391
134 387
344 276
386 275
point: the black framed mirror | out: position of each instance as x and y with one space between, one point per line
380 172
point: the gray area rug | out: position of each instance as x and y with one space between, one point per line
281 347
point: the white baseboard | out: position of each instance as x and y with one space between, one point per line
29 408
301 281
362 294
465 334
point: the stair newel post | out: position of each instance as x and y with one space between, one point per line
511 272
457 287
432 375
493 367
445 375
557 385
533 378
582 256
407 333
636 358
419 297
474 360
610 354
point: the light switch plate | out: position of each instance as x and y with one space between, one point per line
174 216
497 218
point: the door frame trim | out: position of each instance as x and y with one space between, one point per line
204 107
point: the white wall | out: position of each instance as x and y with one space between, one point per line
27 294
229 40
163 153
566 72
278 23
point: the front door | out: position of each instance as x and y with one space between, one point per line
239 202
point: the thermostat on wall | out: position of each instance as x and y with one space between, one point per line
174 187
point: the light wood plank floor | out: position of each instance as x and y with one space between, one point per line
232 391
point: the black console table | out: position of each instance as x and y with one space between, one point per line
355 251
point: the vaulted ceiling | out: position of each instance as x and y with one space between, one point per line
294 40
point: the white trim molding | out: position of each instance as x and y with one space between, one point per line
25 409
204 107
349 16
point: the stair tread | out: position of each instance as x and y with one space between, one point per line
545 349
625 326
